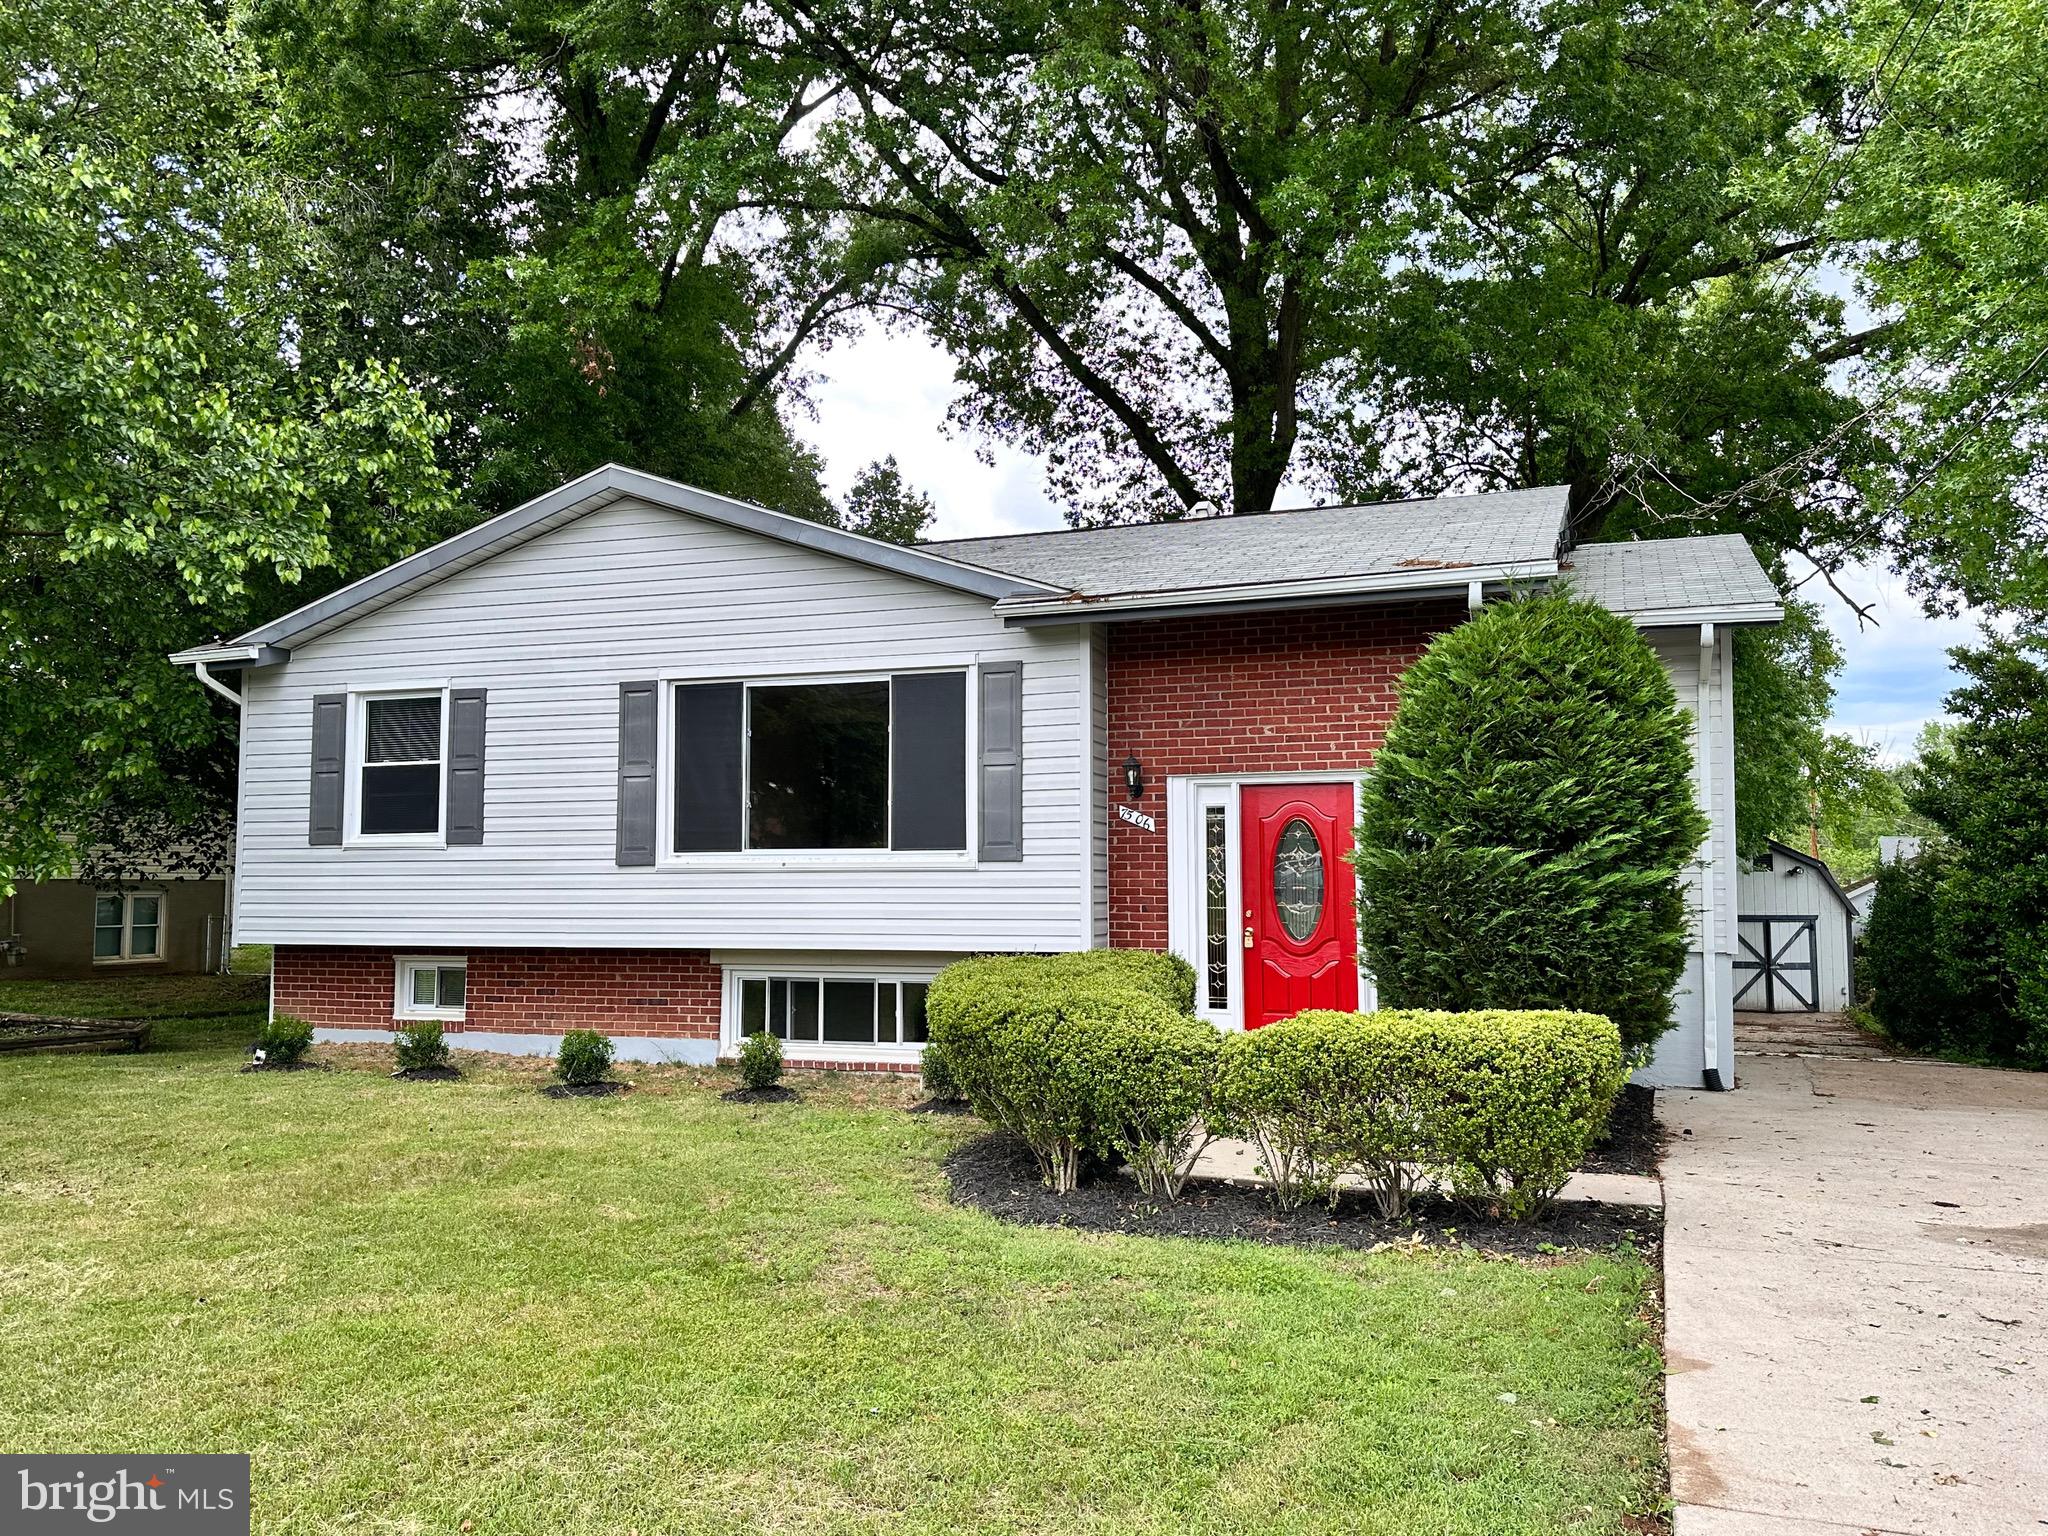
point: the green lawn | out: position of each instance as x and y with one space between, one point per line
419 1305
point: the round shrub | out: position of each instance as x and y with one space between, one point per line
1499 1106
1529 822
760 1060
1081 1058
421 1046
284 1040
585 1057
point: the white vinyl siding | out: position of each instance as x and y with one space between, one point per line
551 629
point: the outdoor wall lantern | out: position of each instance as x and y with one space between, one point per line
1134 777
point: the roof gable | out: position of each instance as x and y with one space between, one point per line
600 488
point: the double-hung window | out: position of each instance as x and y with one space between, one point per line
128 926
876 764
401 766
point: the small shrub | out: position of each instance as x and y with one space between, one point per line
939 1082
284 1040
1083 1055
421 1047
1501 1106
760 1060
585 1057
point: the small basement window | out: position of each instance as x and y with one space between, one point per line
833 1010
127 926
401 780
431 987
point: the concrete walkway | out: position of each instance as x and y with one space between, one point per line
1856 1257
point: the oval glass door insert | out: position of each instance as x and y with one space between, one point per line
1298 879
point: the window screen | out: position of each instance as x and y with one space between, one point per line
402 765
818 766
834 1009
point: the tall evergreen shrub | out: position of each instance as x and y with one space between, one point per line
1529 820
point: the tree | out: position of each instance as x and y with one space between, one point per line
543 212
1529 821
1945 190
1987 793
167 462
882 505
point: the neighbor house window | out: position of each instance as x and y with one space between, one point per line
833 1010
857 764
128 926
401 766
431 987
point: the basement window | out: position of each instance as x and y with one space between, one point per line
431 987
832 1010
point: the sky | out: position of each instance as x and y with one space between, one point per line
887 392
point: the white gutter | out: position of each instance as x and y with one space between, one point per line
1711 1053
1416 580
199 670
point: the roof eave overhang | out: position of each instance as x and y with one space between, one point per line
1449 581
600 488
1685 618
231 654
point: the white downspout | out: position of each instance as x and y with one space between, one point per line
227 889
1711 1056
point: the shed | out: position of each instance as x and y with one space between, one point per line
1794 935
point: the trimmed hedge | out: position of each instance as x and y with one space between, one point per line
1529 821
1499 1105
1082 1055
936 1073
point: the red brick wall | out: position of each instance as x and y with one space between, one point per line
1250 693
662 992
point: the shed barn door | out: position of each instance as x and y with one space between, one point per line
1776 970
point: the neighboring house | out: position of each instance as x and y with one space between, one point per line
168 917
1860 895
638 757
1890 850
1794 925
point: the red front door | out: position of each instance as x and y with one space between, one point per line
1300 928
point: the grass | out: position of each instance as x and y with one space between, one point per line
419 1305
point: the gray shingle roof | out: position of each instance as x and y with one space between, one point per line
1660 575
1317 543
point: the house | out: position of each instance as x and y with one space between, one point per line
1861 897
166 915
638 757
1794 929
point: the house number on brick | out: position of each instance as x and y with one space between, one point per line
1137 818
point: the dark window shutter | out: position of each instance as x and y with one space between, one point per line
465 766
637 733
330 769
928 760
710 799
1002 761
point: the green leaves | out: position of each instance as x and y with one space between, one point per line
1528 822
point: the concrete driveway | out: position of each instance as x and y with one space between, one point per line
1857 1299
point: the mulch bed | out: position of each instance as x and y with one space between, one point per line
996 1174
776 1095
428 1074
583 1090
1633 1142
942 1107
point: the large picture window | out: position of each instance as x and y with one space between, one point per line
401 766
822 766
